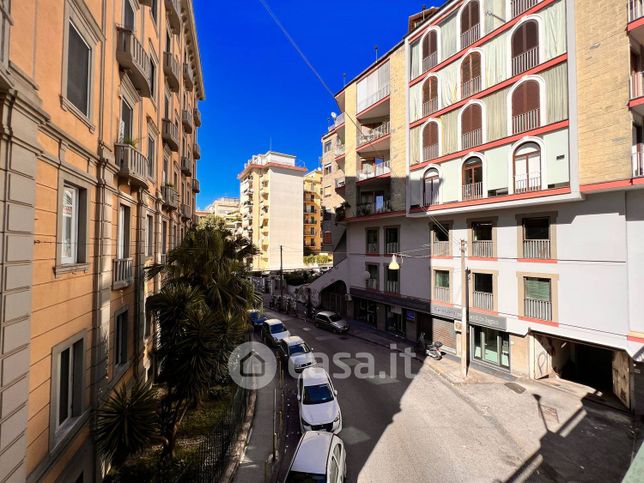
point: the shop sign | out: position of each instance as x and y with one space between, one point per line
490 321
447 312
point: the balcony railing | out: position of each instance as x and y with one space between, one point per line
392 247
374 133
373 98
441 293
520 6
472 191
170 134
440 249
373 207
637 84
482 248
340 182
430 106
537 309
339 150
173 8
430 152
132 164
483 300
186 211
392 286
372 284
470 36
638 161
171 71
430 61
525 121
472 138
170 197
188 80
195 185
523 184
132 57
196 151
470 87
339 120
525 61
121 272
539 249
186 120
197 117
186 165
374 170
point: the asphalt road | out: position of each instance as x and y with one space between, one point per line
399 429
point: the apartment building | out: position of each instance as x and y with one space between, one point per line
226 208
313 212
506 134
272 210
99 102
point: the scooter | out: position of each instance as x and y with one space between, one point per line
434 350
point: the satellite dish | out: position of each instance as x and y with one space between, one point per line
334 115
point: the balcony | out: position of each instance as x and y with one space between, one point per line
170 197
373 98
372 171
186 165
430 61
373 207
472 191
440 249
133 166
525 61
186 120
537 309
171 71
524 184
339 120
536 249
483 300
637 84
392 247
170 135
195 185
132 57
185 211
441 294
340 182
472 138
470 36
392 286
482 248
196 151
339 150
470 87
520 6
526 121
188 80
430 106
121 272
638 160
430 152
173 9
197 117
373 134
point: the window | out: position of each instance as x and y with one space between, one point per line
430 96
430 141
327 146
164 237
152 154
327 170
482 242
471 75
166 106
525 107
120 339
483 291
127 120
68 382
149 240
525 47
392 282
372 241
536 238
128 15
527 168
538 301
441 285
154 10
79 56
439 237
470 24
392 241
123 235
430 50
431 187
472 179
70 213
153 79
471 126
328 238
491 346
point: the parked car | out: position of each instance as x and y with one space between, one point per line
256 318
331 321
273 331
319 456
297 353
318 402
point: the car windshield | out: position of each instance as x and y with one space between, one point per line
298 349
299 477
317 394
335 317
277 328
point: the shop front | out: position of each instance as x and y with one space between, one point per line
489 340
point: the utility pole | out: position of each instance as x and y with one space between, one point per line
281 273
464 289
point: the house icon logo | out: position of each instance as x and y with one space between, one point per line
252 365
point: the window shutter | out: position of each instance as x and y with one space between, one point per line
432 41
475 69
466 69
466 120
476 122
537 288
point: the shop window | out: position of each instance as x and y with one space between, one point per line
491 346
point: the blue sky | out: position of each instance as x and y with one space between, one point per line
257 86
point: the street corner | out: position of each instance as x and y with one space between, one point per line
252 365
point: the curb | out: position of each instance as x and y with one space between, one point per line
239 446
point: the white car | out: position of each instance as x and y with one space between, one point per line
318 402
297 353
274 331
319 456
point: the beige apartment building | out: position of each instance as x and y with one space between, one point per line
272 210
313 212
99 149
227 208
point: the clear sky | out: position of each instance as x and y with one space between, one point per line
258 89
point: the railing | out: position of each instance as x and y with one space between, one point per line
392 247
470 87
174 13
339 149
186 165
122 272
520 6
170 134
537 309
186 119
392 286
132 56
472 191
440 249
482 248
195 185
524 184
340 182
171 70
430 107
373 98
170 197
441 293
525 61
372 284
430 152
470 36
197 117
637 84
372 248
375 170
186 211
372 208
638 161
196 151
483 300
188 80
131 162
539 249
472 138
339 120
525 121
430 61
374 133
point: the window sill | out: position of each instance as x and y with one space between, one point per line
65 433
121 285
67 105
71 268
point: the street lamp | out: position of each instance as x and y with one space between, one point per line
393 265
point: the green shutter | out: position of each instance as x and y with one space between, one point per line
441 278
537 288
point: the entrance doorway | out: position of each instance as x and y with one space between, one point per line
491 346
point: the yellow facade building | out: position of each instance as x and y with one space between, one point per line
313 212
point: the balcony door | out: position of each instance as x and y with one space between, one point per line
527 168
127 121
470 20
526 113
525 47
471 75
431 187
430 141
472 179
123 235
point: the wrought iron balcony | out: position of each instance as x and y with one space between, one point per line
195 185
170 135
171 71
132 164
538 309
186 120
170 197
535 248
372 171
188 80
186 165
186 211
373 134
132 57
374 207
173 7
520 6
472 191
197 117
196 151
470 36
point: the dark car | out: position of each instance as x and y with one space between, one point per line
331 321
256 318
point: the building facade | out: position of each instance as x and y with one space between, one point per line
313 212
272 211
227 208
99 103
502 136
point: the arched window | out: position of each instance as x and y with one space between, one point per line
431 187
527 168
526 107
472 179
430 96
430 141
525 47
471 126
430 50
471 75
470 24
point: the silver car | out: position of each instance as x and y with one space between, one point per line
331 321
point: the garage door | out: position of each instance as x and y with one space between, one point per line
443 331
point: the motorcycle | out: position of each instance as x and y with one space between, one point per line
432 350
